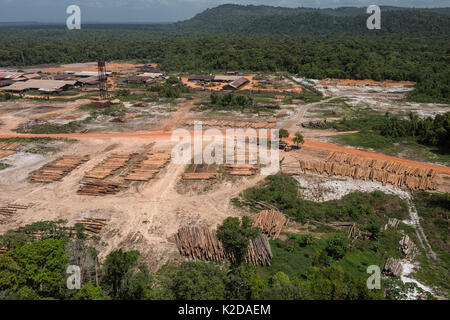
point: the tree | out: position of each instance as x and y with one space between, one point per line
337 246
194 281
116 266
244 283
283 133
9 273
91 292
298 139
43 264
235 236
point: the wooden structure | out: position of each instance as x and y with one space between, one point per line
124 118
99 188
94 225
12 208
201 172
407 245
234 124
202 243
395 173
115 161
241 169
149 167
270 222
3 250
392 224
9 145
4 154
392 267
56 170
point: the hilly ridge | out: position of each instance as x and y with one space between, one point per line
308 21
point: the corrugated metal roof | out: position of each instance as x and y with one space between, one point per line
150 75
10 75
38 84
226 78
238 82
200 78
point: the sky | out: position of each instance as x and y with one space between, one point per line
148 11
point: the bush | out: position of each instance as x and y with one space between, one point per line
337 247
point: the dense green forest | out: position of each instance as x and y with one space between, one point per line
429 131
412 45
307 21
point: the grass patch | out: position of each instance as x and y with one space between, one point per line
366 209
52 128
434 211
406 147
34 140
4 165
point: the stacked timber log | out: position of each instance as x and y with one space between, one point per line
115 161
199 243
202 243
259 251
55 171
199 176
149 167
393 267
94 225
270 222
12 208
354 233
241 169
124 118
9 145
392 224
347 165
4 154
234 124
406 245
3 250
99 188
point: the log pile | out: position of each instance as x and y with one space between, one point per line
259 251
202 243
124 118
234 124
55 171
199 243
12 208
241 169
3 250
406 245
116 161
94 225
4 154
270 222
9 145
149 167
99 188
392 224
393 267
199 176
347 165
315 124
201 172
